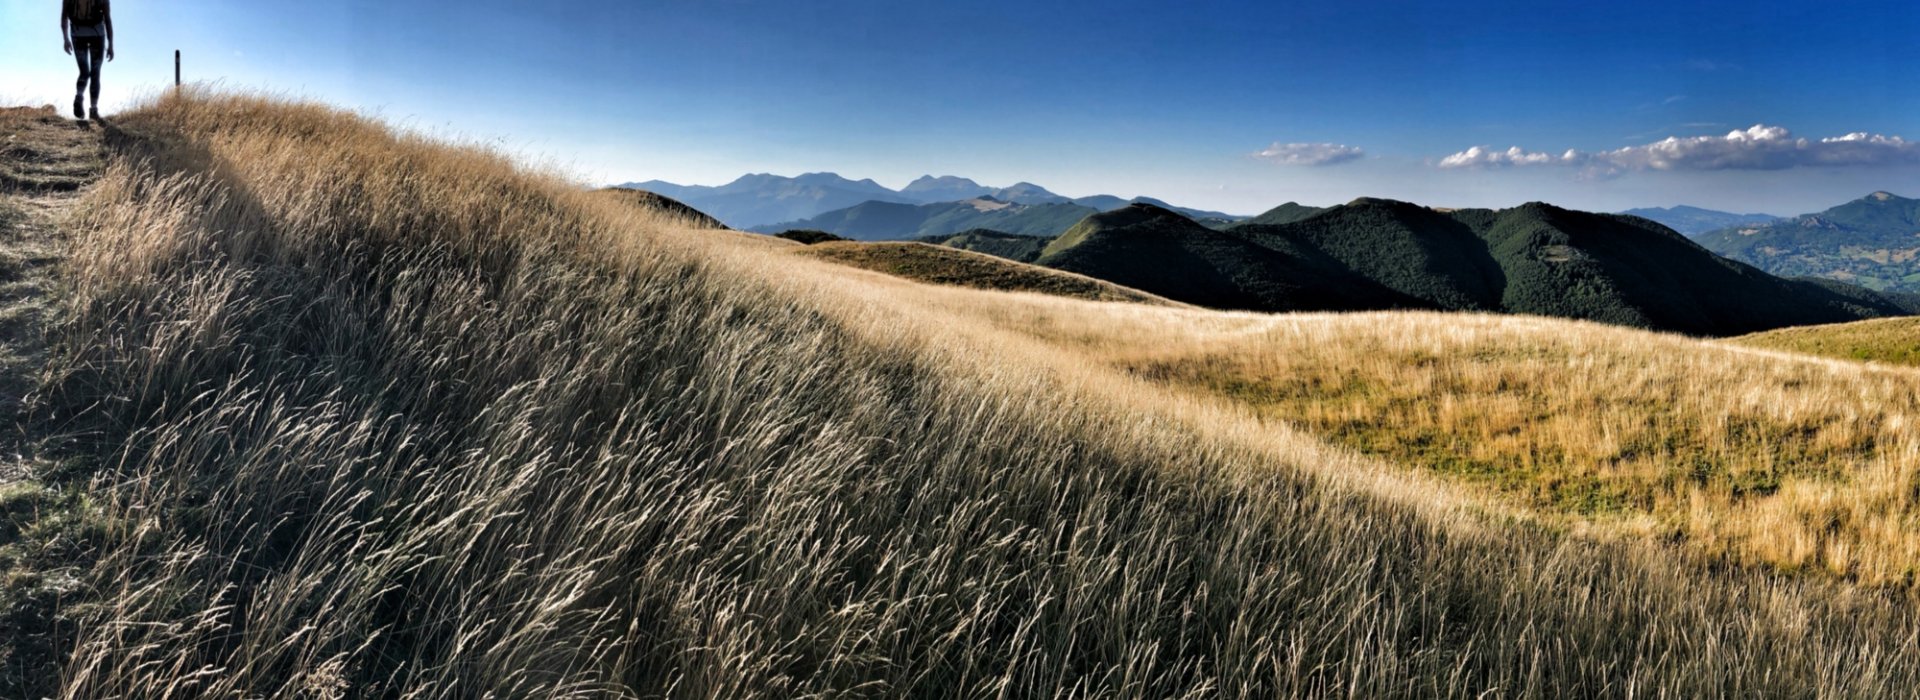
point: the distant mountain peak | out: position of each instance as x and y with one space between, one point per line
1883 196
833 178
928 180
1130 215
1383 203
1693 221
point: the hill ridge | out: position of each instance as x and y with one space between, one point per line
1872 241
1535 258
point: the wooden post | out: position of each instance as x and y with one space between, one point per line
176 68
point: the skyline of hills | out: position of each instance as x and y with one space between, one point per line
761 200
1372 253
1384 254
1873 241
879 221
767 201
1028 215
1692 221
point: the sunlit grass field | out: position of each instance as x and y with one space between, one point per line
940 265
1892 341
1798 464
350 413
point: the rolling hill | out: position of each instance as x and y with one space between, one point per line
1693 221
946 188
878 221
1535 259
1161 252
663 204
1894 341
1210 219
935 264
1873 242
1284 214
760 199
1014 247
772 202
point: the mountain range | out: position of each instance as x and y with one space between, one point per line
1693 221
880 221
761 200
1624 269
1873 241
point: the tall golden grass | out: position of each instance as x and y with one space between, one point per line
1893 341
370 416
1750 458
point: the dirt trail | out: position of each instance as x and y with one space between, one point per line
45 162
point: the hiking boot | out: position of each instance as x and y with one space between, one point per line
94 113
78 113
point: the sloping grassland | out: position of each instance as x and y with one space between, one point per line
361 415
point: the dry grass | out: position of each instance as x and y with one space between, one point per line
941 265
1894 341
1747 458
42 152
372 417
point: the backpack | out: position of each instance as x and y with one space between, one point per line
86 14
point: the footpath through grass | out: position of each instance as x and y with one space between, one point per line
50 528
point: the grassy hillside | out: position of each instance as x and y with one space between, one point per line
940 265
352 414
1800 466
692 218
1209 219
1024 249
1160 252
1873 241
1411 249
1535 259
1893 341
1630 271
1284 214
879 221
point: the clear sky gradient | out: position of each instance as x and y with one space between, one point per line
1173 100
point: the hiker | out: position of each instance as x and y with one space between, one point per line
87 28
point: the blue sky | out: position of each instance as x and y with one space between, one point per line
1174 100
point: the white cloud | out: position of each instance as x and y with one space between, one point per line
1486 157
1761 147
1309 153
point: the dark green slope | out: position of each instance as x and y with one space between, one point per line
1158 251
876 221
1873 241
1283 214
1014 247
1534 259
1409 248
1632 271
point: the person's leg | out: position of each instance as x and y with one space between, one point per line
80 87
96 50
